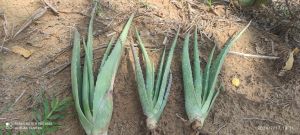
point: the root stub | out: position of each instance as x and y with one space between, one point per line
99 133
196 125
151 124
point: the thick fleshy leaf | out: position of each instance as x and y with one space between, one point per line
76 82
103 117
158 78
153 97
94 102
165 76
205 90
206 75
191 102
197 72
217 64
86 86
89 55
107 51
106 78
165 99
149 69
145 101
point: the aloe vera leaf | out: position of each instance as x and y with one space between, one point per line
159 76
103 117
165 99
89 53
141 83
197 69
109 68
86 87
186 68
166 72
153 80
122 39
76 62
214 98
209 103
107 51
206 75
191 103
102 105
149 68
217 64
76 81
215 70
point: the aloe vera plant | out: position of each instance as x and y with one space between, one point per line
93 100
153 93
200 86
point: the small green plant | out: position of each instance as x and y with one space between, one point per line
48 113
93 100
200 87
153 94
210 2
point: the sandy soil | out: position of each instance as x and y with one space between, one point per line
264 103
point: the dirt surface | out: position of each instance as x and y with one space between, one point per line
264 103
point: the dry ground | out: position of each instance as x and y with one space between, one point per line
264 103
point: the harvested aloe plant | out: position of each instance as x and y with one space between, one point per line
200 87
93 100
153 93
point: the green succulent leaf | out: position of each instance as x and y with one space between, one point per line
153 93
149 69
206 74
200 88
197 72
190 94
76 78
159 74
145 101
107 51
93 100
